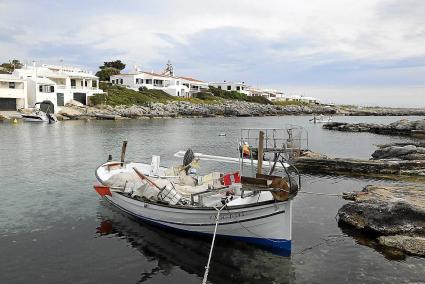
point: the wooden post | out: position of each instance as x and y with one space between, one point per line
260 152
123 149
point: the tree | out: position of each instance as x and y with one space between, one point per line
109 68
117 64
11 66
105 73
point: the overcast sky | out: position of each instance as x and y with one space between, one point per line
367 52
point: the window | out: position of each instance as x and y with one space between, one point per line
148 81
11 85
81 83
85 83
178 94
229 88
46 89
238 88
60 99
141 81
243 88
73 83
122 81
137 80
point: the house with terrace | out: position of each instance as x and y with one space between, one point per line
240 87
165 81
58 84
13 93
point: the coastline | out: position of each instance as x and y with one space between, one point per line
227 108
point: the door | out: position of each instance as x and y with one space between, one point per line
7 104
60 99
80 97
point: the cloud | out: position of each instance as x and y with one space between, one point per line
329 42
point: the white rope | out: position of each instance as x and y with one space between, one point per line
217 220
321 193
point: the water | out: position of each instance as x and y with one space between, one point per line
54 228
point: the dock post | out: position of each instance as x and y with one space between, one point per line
123 149
260 152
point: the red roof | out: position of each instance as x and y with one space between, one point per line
191 79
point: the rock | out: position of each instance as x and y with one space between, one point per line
71 112
411 244
401 127
387 210
74 103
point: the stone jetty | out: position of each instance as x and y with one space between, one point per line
397 159
345 166
396 214
402 127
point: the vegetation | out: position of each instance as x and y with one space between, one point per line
117 64
109 68
234 95
117 95
287 103
11 66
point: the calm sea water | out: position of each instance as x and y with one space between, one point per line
55 229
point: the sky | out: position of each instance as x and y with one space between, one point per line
364 52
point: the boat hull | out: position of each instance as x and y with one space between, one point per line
35 119
267 225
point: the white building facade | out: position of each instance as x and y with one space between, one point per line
172 85
58 84
13 93
231 86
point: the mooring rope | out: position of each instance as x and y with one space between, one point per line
217 220
322 193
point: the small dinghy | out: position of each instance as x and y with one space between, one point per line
321 119
255 209
42 112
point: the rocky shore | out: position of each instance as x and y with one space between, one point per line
395 214
395 159
402 127
187 109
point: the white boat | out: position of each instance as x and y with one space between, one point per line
321 119
255 210
41 113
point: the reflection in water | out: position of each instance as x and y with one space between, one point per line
232 261
369 240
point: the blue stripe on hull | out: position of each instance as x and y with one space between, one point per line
278 246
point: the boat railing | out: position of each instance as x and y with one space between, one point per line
292 138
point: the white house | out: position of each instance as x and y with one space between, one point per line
232 86
58 84
13 92
270 94
166 81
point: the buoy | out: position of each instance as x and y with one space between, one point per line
15 121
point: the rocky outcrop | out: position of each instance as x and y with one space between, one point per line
400 151
402 127
411 245
187 109
327 165
395 211
379 111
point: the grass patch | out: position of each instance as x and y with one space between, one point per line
289 103
117 95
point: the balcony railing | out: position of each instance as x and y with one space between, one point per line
83 88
